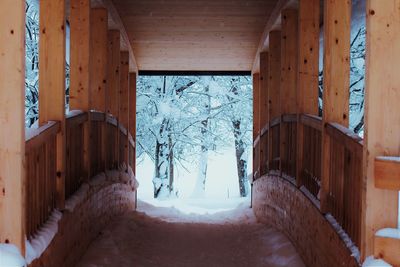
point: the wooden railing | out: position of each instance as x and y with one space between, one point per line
310 171
288 135
264 150
274 141
106 143
345 179
345 168
74 167
40 158
256 158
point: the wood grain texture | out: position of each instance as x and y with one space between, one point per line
388 249
264 119
132 119
382 116
80 55
387 173
52 80
98 50
113 73
124 104
194 35
12 139
337 17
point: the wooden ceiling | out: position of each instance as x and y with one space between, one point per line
194 35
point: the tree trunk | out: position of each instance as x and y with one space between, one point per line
241 164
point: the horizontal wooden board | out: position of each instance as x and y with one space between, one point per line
388 249
195 35
387 173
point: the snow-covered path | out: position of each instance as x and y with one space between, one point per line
164 236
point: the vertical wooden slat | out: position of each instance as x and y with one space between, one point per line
113 73
337 15
264 75
132 116
12 133
274 106
307 84
382 113
289 59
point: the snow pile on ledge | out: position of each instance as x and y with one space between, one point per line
10 256
389 232
372 262
344 236
42 239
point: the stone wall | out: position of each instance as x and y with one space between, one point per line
279 203
102 201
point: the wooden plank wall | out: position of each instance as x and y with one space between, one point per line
132 117
256 122
124 102
264 74
382 115
12 116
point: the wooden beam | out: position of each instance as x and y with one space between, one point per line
124 100
113 73
387 173
132 114
12 117
263 44
264 75
382 114
98 50
307 91
256 105
289 67
274 105
52 80
388 248
114 15
79 55
337 17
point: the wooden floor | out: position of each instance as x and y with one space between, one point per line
137 239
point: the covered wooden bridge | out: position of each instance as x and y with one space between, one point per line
334 194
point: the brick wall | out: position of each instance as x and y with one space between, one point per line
279 203
78 228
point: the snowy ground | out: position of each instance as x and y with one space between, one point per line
165 236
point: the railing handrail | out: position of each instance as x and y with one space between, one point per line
312 121
344 135
97 115
37 136
76 117
275 121
291 117
110 119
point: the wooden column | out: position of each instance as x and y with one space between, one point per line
113 73
307 84
337 17
12 117
256 122
80 55
98 68
382 113
113 83
52 80
274 105
264 120
124 101
132 115
79 94
98 52
289 58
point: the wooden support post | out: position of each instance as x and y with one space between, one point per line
98 68
289 58
52 80
256 123
274 106
79 91
12 117
337 17
124 102
264 120
132 116
113 83
382 114
307 84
